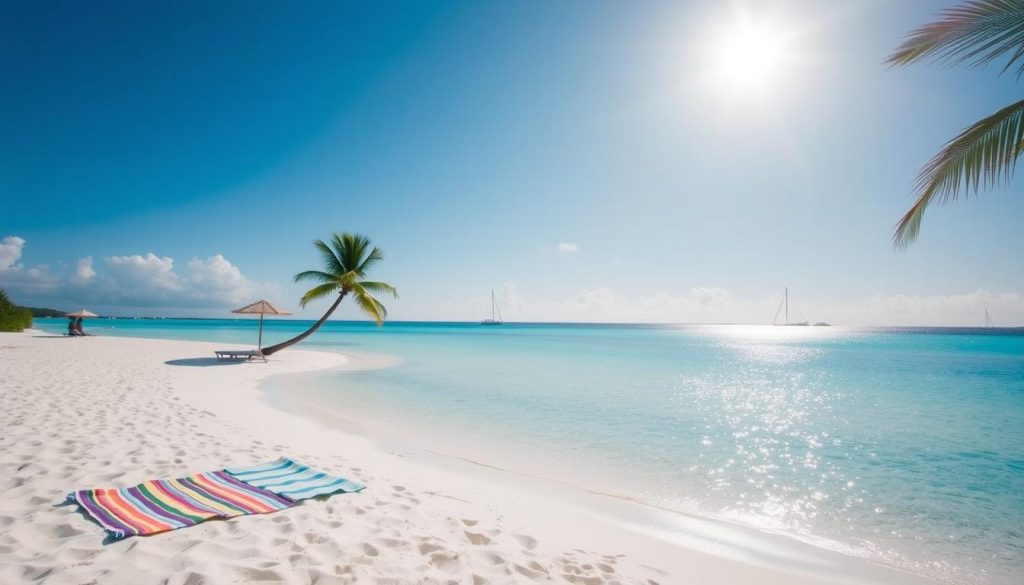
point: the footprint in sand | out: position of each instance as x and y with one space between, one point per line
64 531
477 538
492 558
525 541
581 580
426 548
531 573
445 560
390 542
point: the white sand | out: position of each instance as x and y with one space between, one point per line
112 412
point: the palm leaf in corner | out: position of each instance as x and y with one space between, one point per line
983 155
977 32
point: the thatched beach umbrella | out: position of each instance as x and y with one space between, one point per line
262 308
82 313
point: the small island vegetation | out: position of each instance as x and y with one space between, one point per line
13 317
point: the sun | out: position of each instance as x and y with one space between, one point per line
750 58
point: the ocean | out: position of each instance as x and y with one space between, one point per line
904 446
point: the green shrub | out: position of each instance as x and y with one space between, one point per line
13 318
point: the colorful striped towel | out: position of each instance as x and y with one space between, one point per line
293 480
161 505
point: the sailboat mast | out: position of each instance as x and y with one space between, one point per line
787 305
492 304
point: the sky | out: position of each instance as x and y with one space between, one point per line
590 161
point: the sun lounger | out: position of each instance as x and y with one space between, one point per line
240 354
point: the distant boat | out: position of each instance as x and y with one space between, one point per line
785 304
495 313
988 320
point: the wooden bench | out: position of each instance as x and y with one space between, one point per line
240 354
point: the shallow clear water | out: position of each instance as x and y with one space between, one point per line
905 446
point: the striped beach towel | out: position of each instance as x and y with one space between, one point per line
161 505
292 480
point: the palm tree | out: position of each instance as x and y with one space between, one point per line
984 154
346 260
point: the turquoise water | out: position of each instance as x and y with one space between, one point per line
901 445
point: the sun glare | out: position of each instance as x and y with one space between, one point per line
749 58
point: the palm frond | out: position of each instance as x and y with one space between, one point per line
317 275
331 261
350 249
318 292
375 256
983 155
977 32
379 287
370 305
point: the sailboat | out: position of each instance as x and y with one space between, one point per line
785 304
495 313
988 320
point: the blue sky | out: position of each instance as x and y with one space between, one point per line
583 158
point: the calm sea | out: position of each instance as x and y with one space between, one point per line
901 445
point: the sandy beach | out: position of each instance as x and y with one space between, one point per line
112 412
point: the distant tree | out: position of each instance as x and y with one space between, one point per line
13 318
41 312
346 260
984 154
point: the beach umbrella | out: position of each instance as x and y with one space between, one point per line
261 308
82 313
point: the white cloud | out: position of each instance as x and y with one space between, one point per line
142 275
218 280
568 248
10 252
135 280
18 280
84 271
150 280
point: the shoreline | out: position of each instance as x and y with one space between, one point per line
423 522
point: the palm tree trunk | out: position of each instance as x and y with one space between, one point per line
276 348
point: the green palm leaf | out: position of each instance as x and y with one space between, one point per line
317 275
371 307
375 256
318 292
379 287
977 32
983 155
332 262
350 249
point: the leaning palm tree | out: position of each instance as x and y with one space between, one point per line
346 259
984 154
